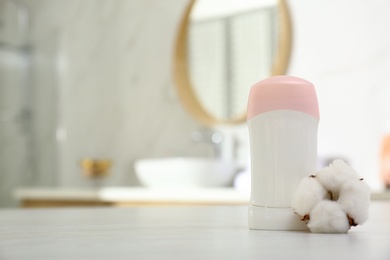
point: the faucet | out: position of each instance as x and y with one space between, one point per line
211 137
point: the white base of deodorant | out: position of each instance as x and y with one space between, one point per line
283 151
274 219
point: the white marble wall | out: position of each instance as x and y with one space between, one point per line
111 88
343 48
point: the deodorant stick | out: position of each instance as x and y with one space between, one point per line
283 119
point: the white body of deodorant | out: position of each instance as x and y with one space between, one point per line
283 140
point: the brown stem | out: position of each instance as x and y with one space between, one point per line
351 221
306 218
330 195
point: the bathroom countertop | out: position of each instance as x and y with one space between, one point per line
133 196
188 232
144 195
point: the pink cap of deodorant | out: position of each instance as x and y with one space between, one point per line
282 93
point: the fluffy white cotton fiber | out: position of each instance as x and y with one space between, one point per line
335 175
333 200
309 193
328 217
355 200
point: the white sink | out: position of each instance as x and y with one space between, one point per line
182 172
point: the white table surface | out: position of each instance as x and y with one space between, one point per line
196 232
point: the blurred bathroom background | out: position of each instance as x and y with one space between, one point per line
94 79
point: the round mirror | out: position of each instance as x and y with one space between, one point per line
223 47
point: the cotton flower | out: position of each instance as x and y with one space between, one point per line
355 200
335 175
309 193
328 217
333 200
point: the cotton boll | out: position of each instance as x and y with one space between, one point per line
309 193
328 217
345 169
335 175
331 180
355 200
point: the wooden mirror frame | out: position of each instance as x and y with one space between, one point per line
181 75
